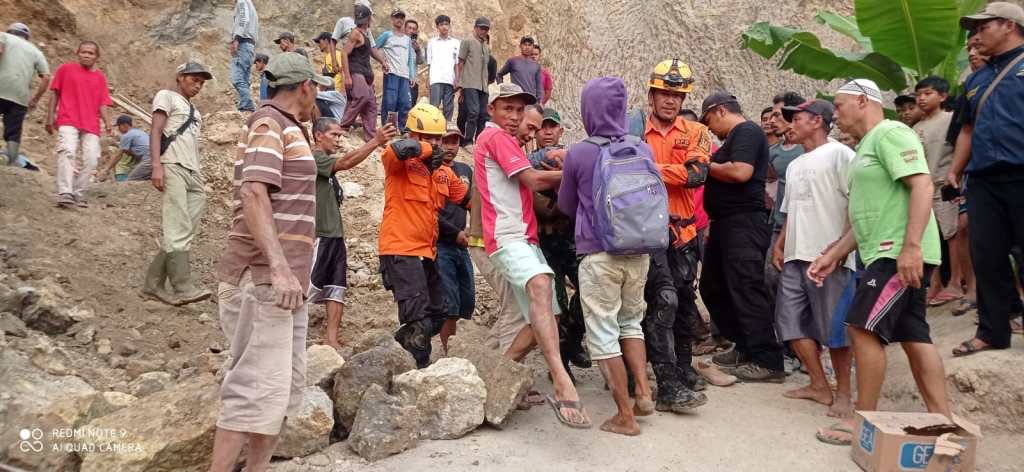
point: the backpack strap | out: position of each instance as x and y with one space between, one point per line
991 88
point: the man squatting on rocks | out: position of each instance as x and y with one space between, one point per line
264 272
416 187
328 280
177 173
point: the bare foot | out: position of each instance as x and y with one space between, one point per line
333 343
842 406
643 406
823 395
619 425
839 434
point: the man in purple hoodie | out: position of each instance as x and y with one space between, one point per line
611 286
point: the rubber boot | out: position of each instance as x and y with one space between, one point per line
693 380
415 338
179 272
156 276
672 394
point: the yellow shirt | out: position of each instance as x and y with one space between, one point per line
339 77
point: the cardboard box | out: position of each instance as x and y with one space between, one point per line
886 441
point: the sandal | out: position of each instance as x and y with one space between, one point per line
557 405
1016 327
964 307
943 298
835 428
967 348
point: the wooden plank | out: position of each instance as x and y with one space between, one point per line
130 107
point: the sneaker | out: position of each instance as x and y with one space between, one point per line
791 365
82 203
754 373
733 358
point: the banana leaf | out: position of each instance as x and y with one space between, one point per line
846 26
917 34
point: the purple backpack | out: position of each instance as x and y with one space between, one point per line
630 200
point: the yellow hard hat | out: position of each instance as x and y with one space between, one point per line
672 75
426 119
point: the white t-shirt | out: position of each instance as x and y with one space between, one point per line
815 201
442 55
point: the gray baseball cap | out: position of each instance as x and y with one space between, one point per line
285 35
994 10
509 90
21 28
194 68
713 101
818 107
482 22
291 68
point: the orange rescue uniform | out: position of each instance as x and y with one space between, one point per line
412 198
685 141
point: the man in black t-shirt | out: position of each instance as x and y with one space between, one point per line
732 283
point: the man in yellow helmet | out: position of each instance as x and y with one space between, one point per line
416 186
681 152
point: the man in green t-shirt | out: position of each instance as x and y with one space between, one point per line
894 230
328 279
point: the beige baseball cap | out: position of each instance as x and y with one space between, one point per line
994 10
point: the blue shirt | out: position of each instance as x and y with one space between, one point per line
264 85
136 142
998 140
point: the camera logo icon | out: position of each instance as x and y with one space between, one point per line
31 440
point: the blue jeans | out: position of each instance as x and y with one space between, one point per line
456 270
396 99
241 71
443 96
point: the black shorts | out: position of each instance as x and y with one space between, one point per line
14 117
329 277
884 306
416 285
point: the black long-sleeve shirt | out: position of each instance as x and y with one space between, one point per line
452 218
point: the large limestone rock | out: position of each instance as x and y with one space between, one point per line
310 430
170 430
36 401
376 366
506 381
449 395
322 364
41 310
383 426
149 383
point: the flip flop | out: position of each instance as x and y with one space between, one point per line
964 307
557 405
943 298
531 399
966 348
838 428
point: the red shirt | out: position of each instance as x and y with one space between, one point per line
82 92
547 82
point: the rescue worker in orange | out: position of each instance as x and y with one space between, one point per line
416 186
682 151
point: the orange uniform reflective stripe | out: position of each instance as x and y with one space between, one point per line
683 142
412 198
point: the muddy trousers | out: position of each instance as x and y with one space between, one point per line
73 179
672 316
362 104
995 204
733 288
184 199
419 292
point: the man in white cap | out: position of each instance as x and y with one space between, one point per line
19 61
990 149
895 233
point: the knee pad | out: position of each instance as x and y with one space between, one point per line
664 311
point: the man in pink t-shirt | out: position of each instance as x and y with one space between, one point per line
80 100
506 182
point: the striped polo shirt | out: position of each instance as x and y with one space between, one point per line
273 149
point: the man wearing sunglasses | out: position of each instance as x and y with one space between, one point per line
733 283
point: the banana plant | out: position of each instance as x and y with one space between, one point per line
899 41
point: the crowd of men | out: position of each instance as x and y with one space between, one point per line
824 228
